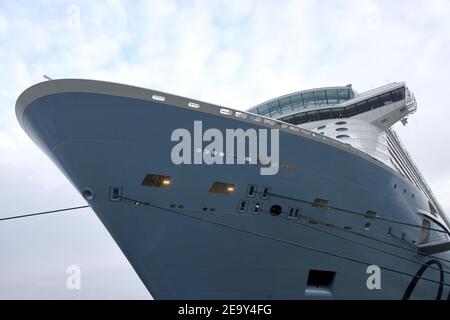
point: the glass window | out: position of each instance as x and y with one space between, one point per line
340 123
254 110
342 136
374 103
297 100
289 119
325 114
320 97
321 127
341 129
308 99
312 115
350 110
338 113
263 110
386 99
332 96
343 95
285 105
274 108
362 107
300 118
398 94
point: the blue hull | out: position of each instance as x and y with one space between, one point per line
181 251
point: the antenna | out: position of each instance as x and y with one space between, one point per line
47 77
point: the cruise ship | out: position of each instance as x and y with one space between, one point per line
340 212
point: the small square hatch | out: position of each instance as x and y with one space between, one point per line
319 283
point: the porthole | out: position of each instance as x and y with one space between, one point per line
367 226
275 210
321 127
342 136
341 123
395 186
341 129
87 194
404 190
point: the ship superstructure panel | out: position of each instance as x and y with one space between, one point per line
362 120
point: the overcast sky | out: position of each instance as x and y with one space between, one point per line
232 53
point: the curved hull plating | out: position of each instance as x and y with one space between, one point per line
180 248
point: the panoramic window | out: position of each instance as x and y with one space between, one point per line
374 103
297 100
313 115
362 106
263 110
338 113
398 94
320 97
350 110
386 99
343 94
274 107
300 118
308 99
325 114
285 105
332 96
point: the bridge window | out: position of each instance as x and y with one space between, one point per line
254 110
263 110
285 105
325 114
374 103
289 119
274 107
338 113
332 96
300 118
386 99
362 106
297 100
398 94
313 115
321 97
350 111
308 99
343 95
